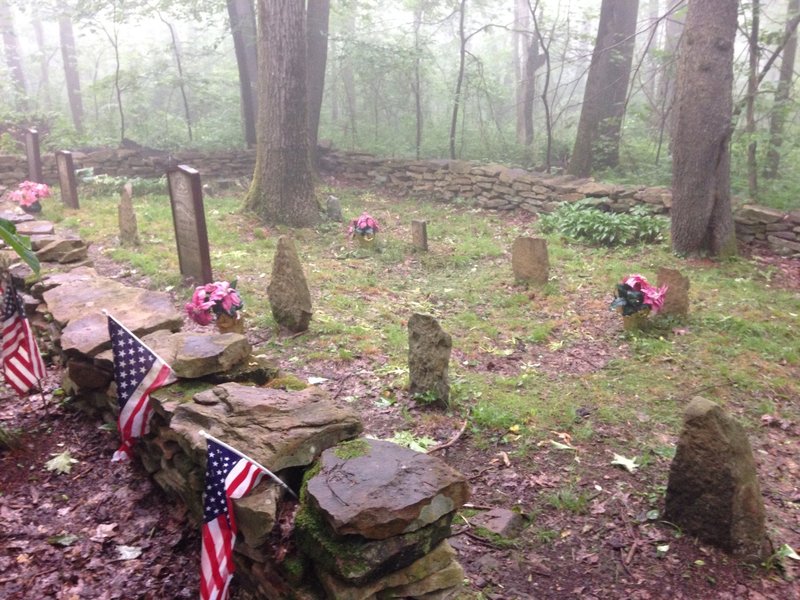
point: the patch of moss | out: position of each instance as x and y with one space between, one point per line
287 382
352 449
315 535
494 538
310 473
295 568
181 391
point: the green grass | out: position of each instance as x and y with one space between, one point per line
738 346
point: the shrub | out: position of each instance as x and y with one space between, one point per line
581 221
107 185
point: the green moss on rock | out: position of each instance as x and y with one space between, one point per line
352 449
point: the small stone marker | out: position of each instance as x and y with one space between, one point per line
529 260
713 490
676 302
500 521
33 155
428 357
128 230
419 234
189 218
334 209
288 290
66 179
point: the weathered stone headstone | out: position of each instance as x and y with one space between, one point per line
288 292
128 230
713 490
188 216
529 260
334 209
66 179
676 301
33 155
419 234
428 357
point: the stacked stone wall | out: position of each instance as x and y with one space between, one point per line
489 186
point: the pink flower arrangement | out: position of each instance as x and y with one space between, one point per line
29 193
364 225
213 299
635 293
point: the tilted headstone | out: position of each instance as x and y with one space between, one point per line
66 179
288 292
334 209
713 490
419 234
529 260
676 301
128 229
189 218
428 357
33 155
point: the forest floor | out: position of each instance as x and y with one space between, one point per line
592 529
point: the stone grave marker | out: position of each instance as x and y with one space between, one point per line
529 260
128 229
419 235
713 491
288 292
428 358
334 209
189 219
33 155
66 179
676 302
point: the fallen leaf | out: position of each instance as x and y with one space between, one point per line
104 531
787 551
128 552
506 460
630 464
316 380
560 446
61 463
64 539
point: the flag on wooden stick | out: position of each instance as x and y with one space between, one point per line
23 366
138 372
229 475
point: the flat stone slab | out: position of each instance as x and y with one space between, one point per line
278 428
378 489
76 305
35 228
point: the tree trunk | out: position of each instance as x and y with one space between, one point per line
282 191
519 56
44 60
317 16
782 94
702 219
597 141
673 31
243 30
417 85
11 51
653 48
73 81
181 79
348 79
752 89
462 55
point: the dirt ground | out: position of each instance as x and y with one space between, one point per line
106 531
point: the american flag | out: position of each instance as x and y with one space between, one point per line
138 371
229 475
23 366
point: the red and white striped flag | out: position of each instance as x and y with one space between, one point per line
138 371
23 366
229 475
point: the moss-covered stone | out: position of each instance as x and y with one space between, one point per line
351 449
357 559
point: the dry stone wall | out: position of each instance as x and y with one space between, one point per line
490 186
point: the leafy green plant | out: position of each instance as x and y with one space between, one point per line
103 185
581 221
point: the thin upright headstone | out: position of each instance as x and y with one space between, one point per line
676 301
334 209
429 349
529 260
66 179
419 234
33 155
128 229
189 219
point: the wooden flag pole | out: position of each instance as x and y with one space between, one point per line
272 475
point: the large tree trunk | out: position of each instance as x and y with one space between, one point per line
702 220
673 31
243 30
781 104
176 51
11 50
597 141
518 55
44 61
70 61
283 185
317 16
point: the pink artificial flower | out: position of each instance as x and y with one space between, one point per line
231 302
199 315
653 296
29 192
